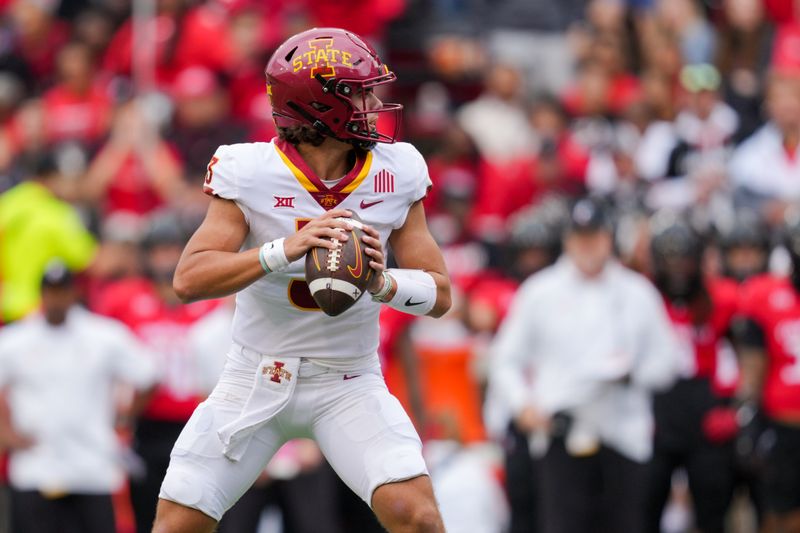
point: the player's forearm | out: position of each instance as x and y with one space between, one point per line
443 300
417 292
213 274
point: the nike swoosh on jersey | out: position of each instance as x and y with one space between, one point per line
409 303
346 377
365 205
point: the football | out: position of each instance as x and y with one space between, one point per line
338 278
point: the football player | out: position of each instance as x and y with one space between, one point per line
292 371
772 378
744 245
695 423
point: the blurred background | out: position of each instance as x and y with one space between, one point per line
111 109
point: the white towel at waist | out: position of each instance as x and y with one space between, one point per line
273 384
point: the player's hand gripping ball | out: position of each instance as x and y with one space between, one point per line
338 277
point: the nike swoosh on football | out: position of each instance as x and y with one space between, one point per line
365 205
409 303
351 377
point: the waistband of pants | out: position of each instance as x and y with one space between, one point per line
315 366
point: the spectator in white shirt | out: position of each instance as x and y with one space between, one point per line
585 344
500 105
58 369
765 168
703 131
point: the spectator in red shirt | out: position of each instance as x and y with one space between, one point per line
363 17
135 171
785 60
600 92
782 11
202 122
559 166
118 254
183 37
561 162
249 102
37 38
605 84
79 107
453 168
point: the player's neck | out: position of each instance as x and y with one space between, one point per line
329 161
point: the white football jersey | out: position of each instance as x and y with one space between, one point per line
278 193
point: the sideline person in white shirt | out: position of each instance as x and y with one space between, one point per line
585 343
58 369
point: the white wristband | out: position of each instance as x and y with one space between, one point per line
380 296
416 291
273 255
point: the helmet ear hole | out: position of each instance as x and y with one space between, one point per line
319 106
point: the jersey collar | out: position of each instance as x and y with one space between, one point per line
328 198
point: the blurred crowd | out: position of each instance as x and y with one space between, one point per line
686 110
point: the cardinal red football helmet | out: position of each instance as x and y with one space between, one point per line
317 76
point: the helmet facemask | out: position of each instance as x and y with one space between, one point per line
677 255
357 127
